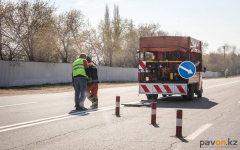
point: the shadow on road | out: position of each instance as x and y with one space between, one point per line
183 140
81 112
155 125
178 102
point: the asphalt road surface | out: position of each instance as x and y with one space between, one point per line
48 121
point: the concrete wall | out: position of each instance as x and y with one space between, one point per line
117 74
211 74
15 73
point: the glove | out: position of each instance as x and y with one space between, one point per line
89 80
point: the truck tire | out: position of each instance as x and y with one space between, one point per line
200 93
155 96
149 96
190 92
185 97
152 96
164 95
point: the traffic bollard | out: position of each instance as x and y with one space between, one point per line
117 111
179 123
154 113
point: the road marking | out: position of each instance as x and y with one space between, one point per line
44 119
220 85
239 102
198 131
37 123
56 118
18 104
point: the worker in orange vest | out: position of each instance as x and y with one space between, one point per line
92 85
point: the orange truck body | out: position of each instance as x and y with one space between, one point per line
159 59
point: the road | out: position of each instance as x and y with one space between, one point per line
48 121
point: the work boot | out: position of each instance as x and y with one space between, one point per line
94 103
90 97
81 108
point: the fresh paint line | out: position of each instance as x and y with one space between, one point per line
220 85
18 104
198 131
67 117
56 118
44 119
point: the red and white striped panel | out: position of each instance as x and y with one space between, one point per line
180 89
163 89
142 64
153 88
145 88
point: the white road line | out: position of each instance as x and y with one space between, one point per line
18 104
198 131
56 118
37 123
220 85
44 119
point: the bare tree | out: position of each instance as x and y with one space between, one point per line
70 31
151 29
33 16
107 38
204 47
22 22
130 46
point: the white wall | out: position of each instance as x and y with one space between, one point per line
210 74
15 73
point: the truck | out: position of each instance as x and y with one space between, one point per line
159 61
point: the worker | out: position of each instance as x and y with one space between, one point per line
226 73
81 74
92 86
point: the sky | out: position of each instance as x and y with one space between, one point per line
214 21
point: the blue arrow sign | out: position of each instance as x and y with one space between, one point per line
186 69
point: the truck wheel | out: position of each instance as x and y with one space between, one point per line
191 92
149 96
152 96
185 97
200 93
155 96
164 95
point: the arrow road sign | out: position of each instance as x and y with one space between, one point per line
187 69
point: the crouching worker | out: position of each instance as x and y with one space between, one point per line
92 85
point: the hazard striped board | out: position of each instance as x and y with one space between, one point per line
159 88
162 88
142 65
147 88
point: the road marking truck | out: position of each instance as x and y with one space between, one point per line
161 68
